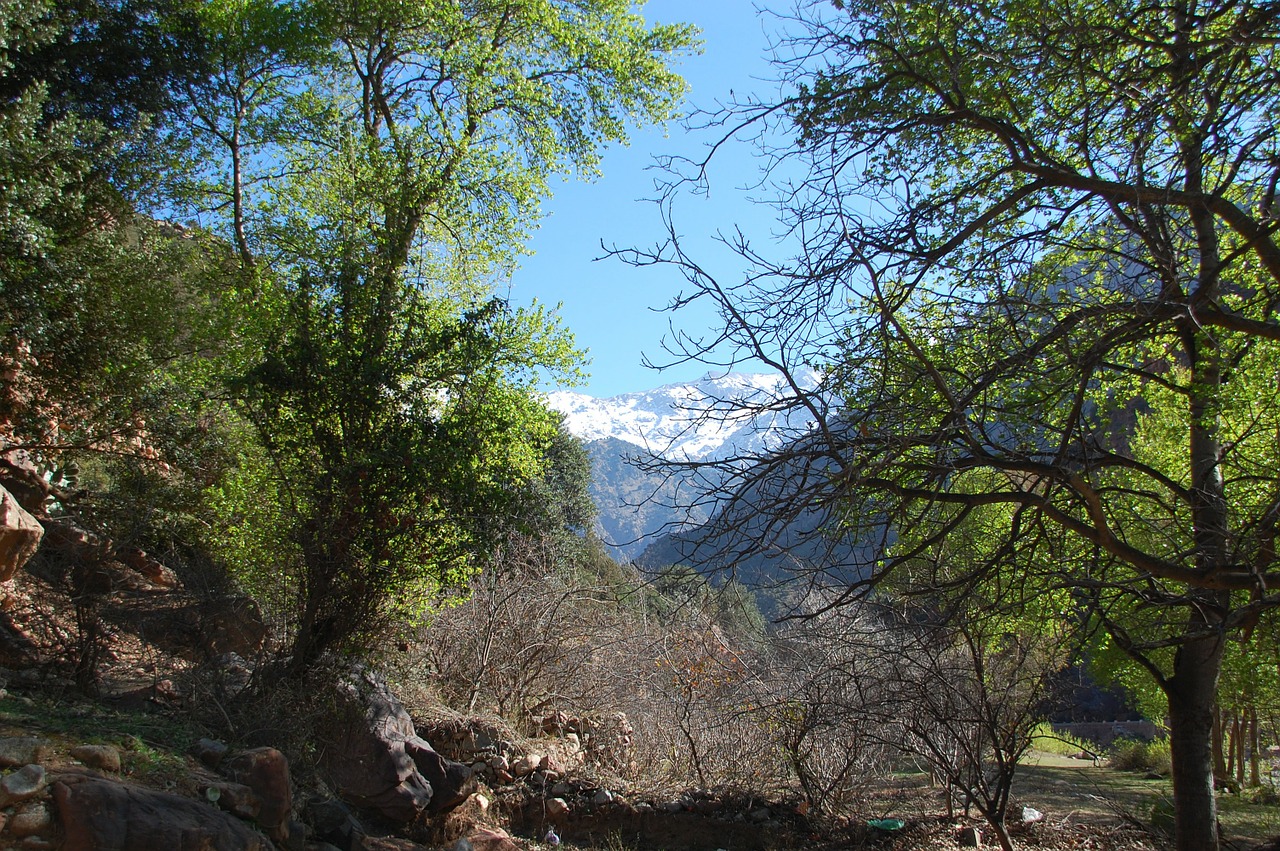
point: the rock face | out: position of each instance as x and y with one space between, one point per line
378 761
20 535
102 814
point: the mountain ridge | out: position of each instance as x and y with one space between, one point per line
722 416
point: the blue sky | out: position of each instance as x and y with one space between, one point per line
610 307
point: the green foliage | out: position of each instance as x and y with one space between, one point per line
117 63
1047 740
326 368
377 167
1148 757
1031 255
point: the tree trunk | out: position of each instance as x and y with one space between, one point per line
1191 691
1220 774
1255 778
1241 729
1232 736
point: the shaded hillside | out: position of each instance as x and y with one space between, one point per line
747 538
635 505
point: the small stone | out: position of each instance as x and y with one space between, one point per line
604 796
970 837
210 752
761 815
235 798
557 807
490 839
30 820
526 764
26 782
561 789
499 763
482 802
673 806
102 757
37 843
21 750
1030 815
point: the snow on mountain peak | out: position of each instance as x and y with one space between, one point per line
693 421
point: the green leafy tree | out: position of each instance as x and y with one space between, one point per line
107 319
377 165
1013 224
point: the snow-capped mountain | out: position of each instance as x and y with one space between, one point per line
711 418
718 417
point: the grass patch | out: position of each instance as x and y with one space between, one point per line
152 746
95 723
1101 794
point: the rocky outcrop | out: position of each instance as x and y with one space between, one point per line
20 535
376 759
498 756
97 813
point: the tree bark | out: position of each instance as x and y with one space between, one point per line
1241 731
1220 773
1191 691
1255 779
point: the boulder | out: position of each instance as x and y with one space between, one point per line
21 750
26 782
153 571
98 813
486 839
527 764
377 760
266 772
335 824
32 820
20 535
235 798
102 757
210 751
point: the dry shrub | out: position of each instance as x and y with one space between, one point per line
535 638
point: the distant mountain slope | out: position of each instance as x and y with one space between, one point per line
776 553
634 505
698 421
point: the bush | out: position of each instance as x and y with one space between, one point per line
1133 755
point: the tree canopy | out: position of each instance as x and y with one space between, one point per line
1034 252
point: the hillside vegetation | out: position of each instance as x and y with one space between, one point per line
295 555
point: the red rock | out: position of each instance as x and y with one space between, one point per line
266 772
378 761
491 839
97 814
20 535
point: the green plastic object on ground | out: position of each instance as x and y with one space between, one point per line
887 823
